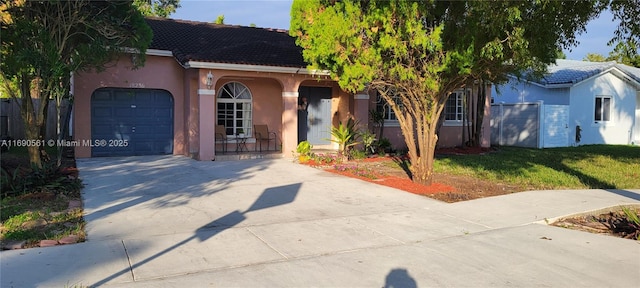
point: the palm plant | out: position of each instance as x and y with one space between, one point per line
346 137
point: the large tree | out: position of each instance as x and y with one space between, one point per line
627 13
43 42
416 53
626 40
625 53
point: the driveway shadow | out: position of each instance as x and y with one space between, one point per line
113 185
117 184
270 197
625 193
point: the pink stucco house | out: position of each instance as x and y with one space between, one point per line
200 75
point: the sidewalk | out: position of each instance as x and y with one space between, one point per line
174 222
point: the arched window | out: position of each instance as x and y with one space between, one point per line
234 109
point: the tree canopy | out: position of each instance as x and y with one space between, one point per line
627 12
625 53
45 41
219 19
416 53
626 39
621 55
594 57
159 8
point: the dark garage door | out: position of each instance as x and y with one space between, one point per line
128 122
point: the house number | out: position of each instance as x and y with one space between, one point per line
136 85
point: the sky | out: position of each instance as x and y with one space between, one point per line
275 14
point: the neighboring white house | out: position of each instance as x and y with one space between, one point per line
576 103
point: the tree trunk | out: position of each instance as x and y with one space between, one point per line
58 131
31 130
422 156
480 107
42 90
381 129
464 118
378 121
63 129
470 115
422 167
41 118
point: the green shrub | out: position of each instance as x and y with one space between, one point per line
304 148
45 179
384 145
324 159
346 136
633 220
357 154
369 142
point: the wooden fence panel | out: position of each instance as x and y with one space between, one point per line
11 123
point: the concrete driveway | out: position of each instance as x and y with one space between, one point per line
169 221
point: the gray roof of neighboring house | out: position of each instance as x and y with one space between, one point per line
572 71
208 42
633 72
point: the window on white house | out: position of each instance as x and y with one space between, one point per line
234 109
602 109
383 106
454 107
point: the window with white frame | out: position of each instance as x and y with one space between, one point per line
383 107
234 109
602 111
454 107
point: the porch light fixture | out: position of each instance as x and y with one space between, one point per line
209 80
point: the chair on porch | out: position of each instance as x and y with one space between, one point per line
262 134
221 137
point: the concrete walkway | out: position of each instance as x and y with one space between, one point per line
169 221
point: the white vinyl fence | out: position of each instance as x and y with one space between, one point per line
533 125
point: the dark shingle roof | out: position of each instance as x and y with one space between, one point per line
208 42
572 71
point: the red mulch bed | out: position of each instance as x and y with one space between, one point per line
400 183
403 182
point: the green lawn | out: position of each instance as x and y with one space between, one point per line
33 204
592 166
